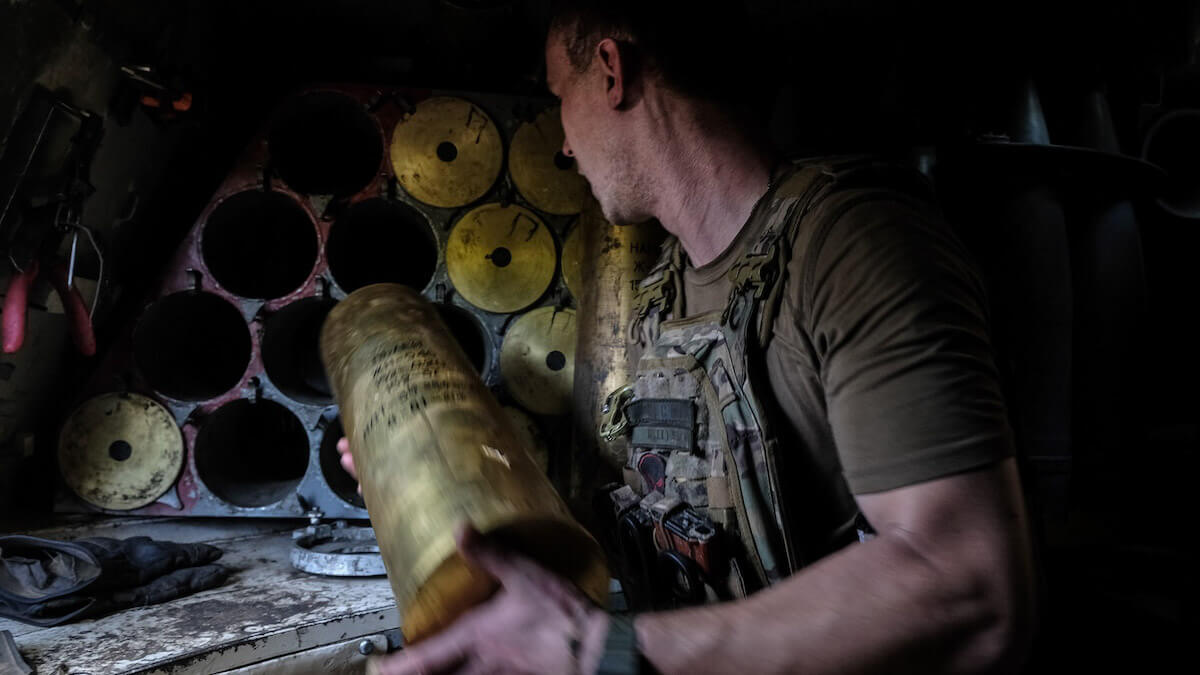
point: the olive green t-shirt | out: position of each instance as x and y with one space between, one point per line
879 360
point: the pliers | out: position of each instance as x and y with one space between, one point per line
16 302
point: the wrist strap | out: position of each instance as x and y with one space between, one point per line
621 654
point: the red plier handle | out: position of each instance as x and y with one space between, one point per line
16 302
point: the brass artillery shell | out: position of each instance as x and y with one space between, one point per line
434 449
607 261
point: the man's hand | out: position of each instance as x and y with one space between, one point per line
536 623
347 459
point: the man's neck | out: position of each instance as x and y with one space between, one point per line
710 176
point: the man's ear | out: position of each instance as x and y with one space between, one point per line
615 67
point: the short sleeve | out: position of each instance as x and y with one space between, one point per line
896 315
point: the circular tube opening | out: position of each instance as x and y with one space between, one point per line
380 241
291 351
325 143
447 151
259 244
342 484
467 331
252 453
1173 143
192 346
120 450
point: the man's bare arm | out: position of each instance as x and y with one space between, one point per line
946 586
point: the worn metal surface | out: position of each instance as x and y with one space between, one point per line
541 172
344 658
337 550
267 609
501 258
447 152
537 360
433 449
120 451
530 435
573 257
322 488
613 259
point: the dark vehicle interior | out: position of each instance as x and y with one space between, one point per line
213 177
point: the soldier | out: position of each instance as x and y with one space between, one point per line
831 405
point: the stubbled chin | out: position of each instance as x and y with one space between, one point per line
614 218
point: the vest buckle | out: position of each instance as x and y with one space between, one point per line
658 294
756 273
613 421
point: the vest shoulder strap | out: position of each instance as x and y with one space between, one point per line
757 279
659 294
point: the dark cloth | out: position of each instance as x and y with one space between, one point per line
47 582
880 359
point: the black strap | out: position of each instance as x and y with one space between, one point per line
667 438
665 423
669 412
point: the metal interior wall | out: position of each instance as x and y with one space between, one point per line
189 272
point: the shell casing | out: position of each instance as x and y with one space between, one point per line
617 258
434 449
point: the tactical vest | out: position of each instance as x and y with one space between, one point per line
695 416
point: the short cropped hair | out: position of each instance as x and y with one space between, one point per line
700 48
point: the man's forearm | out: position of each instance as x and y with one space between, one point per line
879 606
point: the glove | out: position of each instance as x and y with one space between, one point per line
46 582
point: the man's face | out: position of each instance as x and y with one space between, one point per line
592 133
